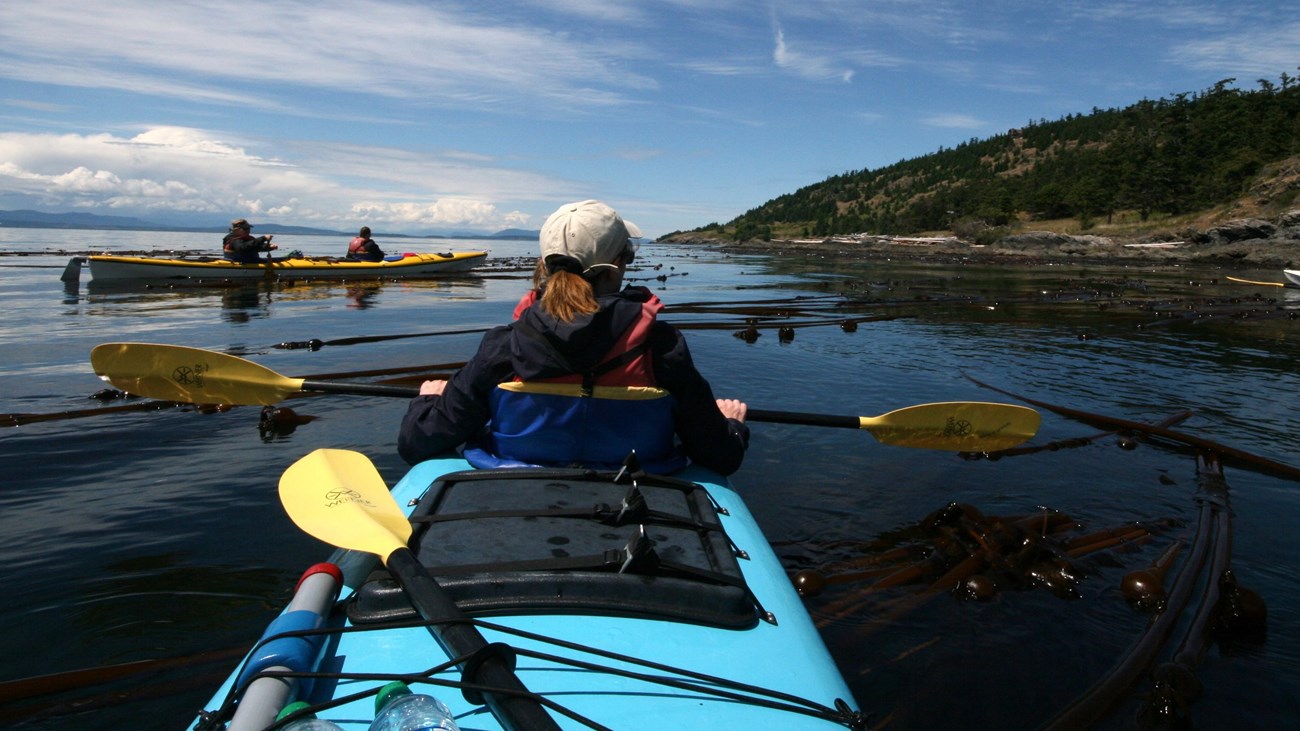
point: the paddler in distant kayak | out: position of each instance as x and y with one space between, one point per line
364 248
241 246
584 375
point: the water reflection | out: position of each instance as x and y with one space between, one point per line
245 303
242 302
363 294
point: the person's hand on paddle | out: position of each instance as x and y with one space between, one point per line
730 408
433 388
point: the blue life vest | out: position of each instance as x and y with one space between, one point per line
556 425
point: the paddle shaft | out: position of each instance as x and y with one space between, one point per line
360 389
515 708
760 415
795 417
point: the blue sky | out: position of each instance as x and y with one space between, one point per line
419 117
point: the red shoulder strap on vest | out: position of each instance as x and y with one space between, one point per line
528 300
589 376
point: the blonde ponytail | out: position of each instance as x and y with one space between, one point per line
567 295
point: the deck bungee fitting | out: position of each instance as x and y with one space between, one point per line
537 599
126 268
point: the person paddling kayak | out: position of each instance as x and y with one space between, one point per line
584 375
364 248
241 246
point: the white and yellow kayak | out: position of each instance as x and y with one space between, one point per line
121 268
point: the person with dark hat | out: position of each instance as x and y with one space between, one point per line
584 375
241 246
364 248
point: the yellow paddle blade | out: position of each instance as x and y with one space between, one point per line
338 496
959 426
190 375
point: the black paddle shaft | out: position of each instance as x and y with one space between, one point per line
515 709
773 417
794 417
360 389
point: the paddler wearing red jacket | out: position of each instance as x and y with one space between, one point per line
364 248
585 374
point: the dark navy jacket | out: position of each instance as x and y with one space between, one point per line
244 249
434 425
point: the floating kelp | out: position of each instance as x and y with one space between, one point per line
959 552
1175 685
1145 588
1125 441
280 421
957 549
1239 457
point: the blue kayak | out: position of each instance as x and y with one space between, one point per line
622 600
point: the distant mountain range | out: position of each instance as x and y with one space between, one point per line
41 219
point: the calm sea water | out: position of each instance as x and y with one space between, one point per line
139 535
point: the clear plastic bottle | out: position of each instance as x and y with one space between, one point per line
307 723
398 709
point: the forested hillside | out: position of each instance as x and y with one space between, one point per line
1188 152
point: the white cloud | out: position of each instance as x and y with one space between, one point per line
953 121
444 212
1259 52
807 65
35 105
185 169
182 140
419 53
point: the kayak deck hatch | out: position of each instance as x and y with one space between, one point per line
570 543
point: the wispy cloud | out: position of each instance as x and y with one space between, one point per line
1261 52
953 121
1180 13
213 52
809 66
34 105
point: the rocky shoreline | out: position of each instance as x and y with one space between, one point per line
1247 243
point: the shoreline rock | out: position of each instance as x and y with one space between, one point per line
1242 243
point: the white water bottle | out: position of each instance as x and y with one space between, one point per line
306 723
398 709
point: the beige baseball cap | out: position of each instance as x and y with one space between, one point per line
589 232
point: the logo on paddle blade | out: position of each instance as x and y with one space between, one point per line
189 376
343 496
957 428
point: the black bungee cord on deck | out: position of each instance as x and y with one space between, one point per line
701 683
